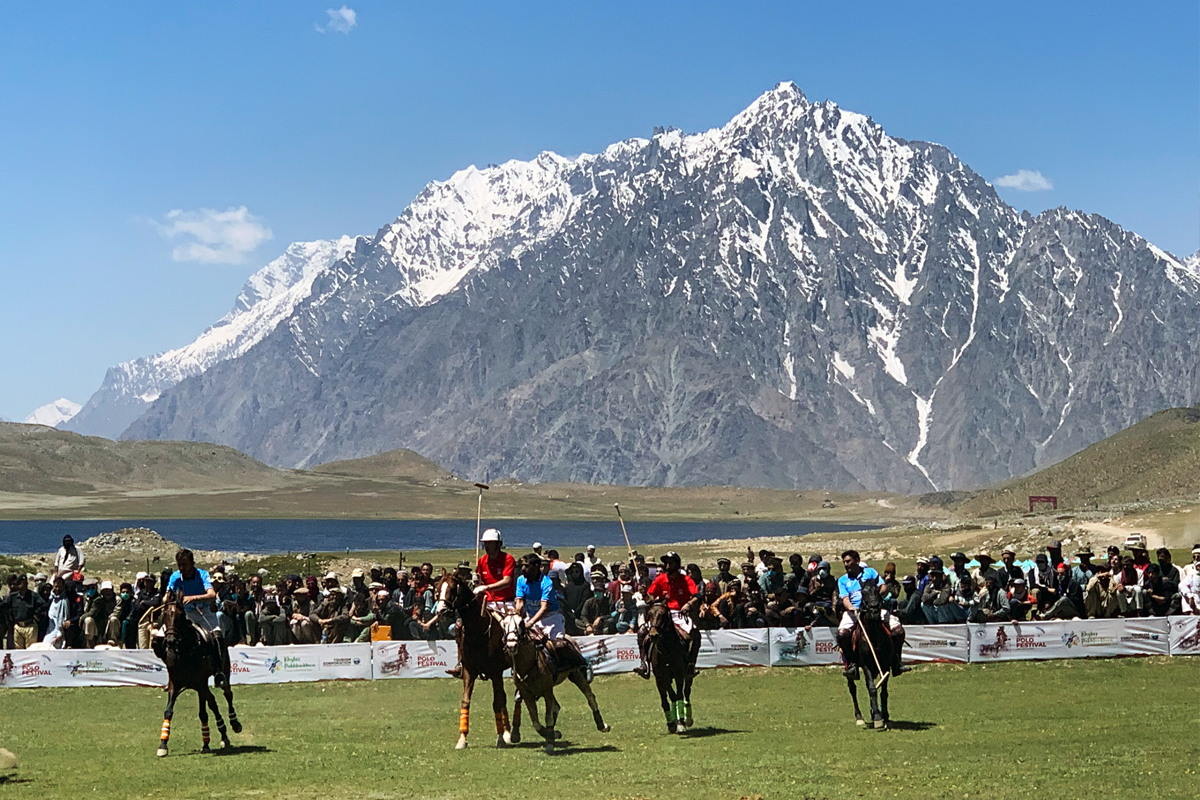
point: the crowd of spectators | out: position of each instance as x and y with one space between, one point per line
70 610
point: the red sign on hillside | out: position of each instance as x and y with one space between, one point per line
1043 498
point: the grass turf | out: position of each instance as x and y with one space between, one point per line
1077 729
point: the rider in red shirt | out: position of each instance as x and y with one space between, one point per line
679 592
497 572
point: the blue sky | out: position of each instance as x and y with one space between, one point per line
113 115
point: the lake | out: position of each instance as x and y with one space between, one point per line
315 535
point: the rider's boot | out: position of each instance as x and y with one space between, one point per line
457 671
898 668
643 668
845 640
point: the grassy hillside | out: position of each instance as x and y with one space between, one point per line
35 458
392 464
1158 457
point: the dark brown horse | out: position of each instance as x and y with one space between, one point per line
672 659
535 680
872 651
191 661
480 651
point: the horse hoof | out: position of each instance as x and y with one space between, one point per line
860 723
162 752
548 748
514 737
679 728
205 749
606 728
225 745
507 737
500 743
462 743
880 725
237 726
687 723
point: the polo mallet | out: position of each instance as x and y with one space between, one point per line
479 518
885 675
628 546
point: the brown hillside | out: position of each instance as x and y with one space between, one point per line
1158 457
35 458
392 464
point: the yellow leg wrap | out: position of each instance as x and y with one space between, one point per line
166 730
463 716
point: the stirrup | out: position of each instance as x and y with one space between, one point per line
456 672
850 671
642 671
900 669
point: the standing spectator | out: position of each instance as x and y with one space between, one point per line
591 560
22 608
724 578
68 560
1009 570
576 591
1168 570
250 606
1189 586
922 573
145 597
59 613
985 569
889 587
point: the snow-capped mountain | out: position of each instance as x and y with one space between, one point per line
267 298
794 299
54 414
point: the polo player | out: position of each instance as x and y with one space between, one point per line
682 596
850 591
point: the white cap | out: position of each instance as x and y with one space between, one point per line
105 585
357 573
537 547
141 575
491 535
331 576
591 547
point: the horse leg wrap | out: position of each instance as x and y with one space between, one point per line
687 709
672 712
166 730
463 723
501 721
204 736
679 711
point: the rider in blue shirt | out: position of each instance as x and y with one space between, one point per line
850 596
197 590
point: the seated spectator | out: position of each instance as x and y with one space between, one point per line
271 625
1166 568
1129 589
1061 604
770 580
889 588
1020 601
363 614
575 593
304 629
1101 598
966 597
935 598
993 601
101 601
1189 586
597 614
958 569
986 569
909 611
1162 595
625 615
721 581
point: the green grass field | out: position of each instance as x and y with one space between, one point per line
1068 729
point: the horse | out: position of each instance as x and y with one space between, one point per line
190 662
480 651
535 680
872 651
672 659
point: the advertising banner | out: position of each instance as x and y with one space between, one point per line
928 643
34 668
803 647
736 648
305 662
1091 638
1185 635
609 655
413 659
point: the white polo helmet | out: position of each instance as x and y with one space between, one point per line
492 535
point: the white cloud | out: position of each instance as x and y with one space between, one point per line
214 237
342 20
1025 180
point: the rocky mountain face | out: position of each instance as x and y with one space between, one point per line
268 297
795 300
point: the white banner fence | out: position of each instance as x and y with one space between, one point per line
758 647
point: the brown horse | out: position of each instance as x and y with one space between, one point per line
191 661
480 651
873 650
672 659
535 680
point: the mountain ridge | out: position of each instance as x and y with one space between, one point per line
794 299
